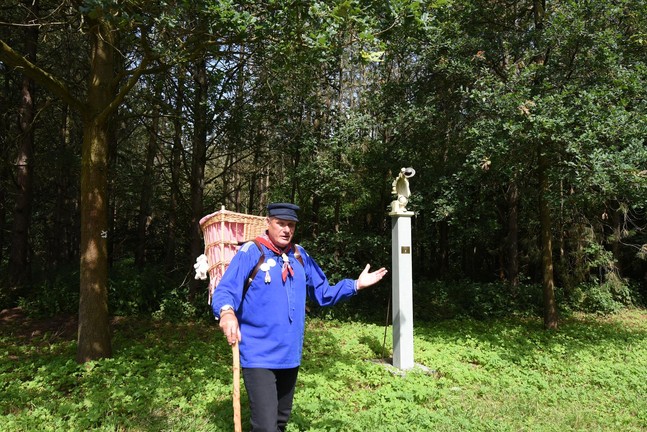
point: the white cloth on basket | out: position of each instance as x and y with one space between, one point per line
201 267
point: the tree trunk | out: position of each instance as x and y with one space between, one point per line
101 102
175 166
146 194
618 220
59 240
226 181
238 184
255 176
545 220
4 165
19 260
171 237
550 304
198 163
4 179
94 327
264 183
512 240
443 249
314 221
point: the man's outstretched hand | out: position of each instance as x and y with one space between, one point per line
367 279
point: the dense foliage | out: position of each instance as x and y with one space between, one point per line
524 120
495 375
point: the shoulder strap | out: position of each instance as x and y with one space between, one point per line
297 255
252 274
260 261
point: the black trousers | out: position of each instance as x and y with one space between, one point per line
270 393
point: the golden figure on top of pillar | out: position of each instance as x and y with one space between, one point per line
401 190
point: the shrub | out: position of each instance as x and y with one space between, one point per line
435 300
136 291
56 295
605 298
176 307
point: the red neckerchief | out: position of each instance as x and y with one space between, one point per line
287 268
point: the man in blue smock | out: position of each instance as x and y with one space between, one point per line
267 318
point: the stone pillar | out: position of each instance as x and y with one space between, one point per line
402 290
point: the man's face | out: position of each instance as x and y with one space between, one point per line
280 231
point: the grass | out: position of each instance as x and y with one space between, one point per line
497 375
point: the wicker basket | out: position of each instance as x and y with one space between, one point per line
224 232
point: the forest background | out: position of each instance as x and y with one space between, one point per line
122 123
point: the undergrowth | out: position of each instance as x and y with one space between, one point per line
504 374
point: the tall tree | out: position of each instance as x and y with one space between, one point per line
546 236
94 333
545 217
175 163
563 87
146 193
198 160
96 109
19 260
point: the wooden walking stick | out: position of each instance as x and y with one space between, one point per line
236 396
224 231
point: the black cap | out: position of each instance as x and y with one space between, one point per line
284 211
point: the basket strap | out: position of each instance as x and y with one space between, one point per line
252 274
260 261
298 256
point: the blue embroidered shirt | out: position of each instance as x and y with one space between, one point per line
272 314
